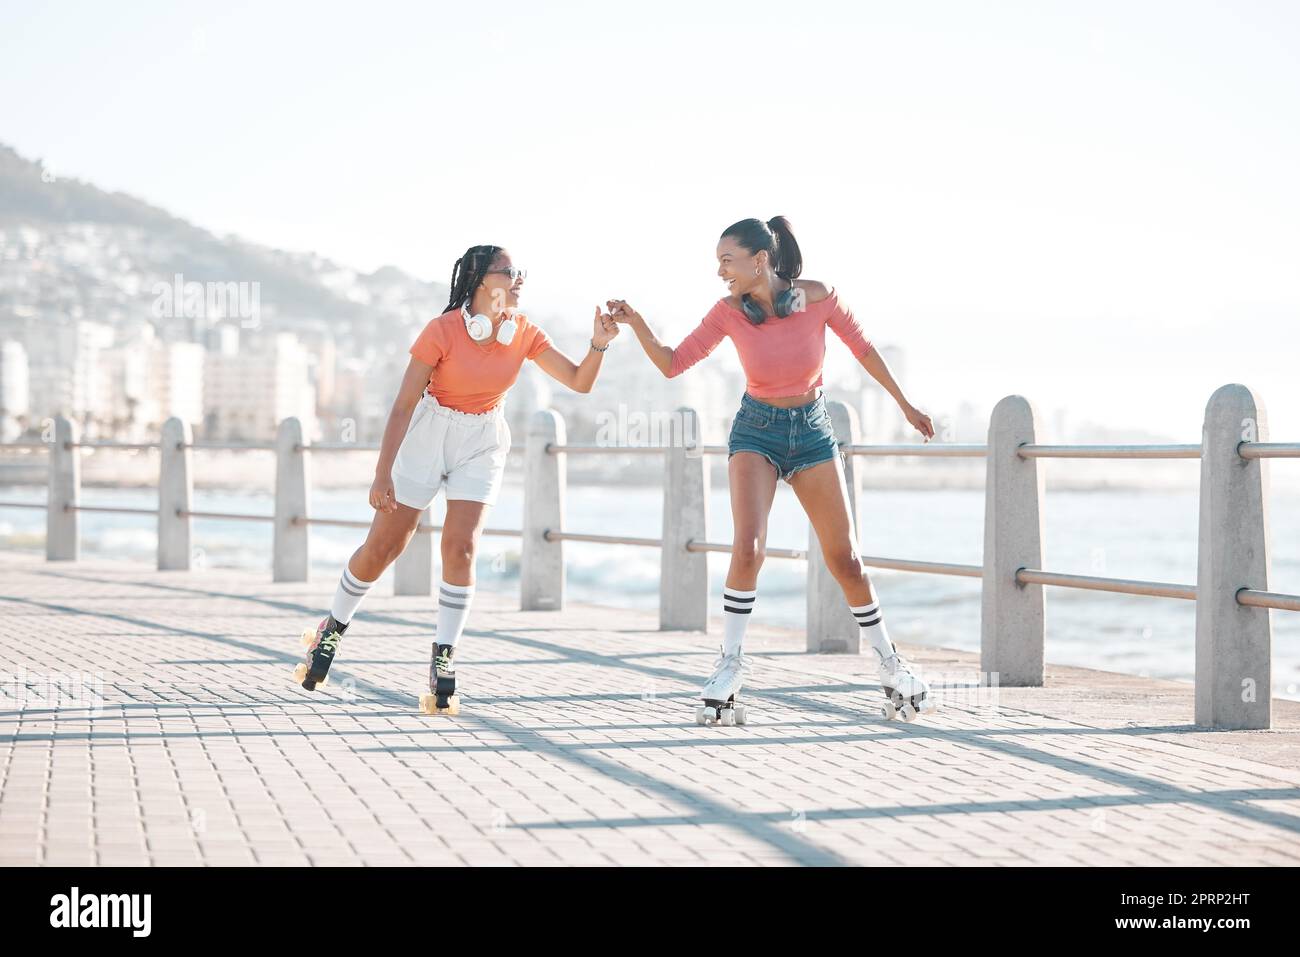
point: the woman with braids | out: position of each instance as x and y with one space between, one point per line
782 430
447 428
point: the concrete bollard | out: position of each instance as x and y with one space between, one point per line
175 493
289 549
62 526
541 571
1013 616
1234 642
683 575
831 626
413 570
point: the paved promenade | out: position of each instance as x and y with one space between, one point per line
576 744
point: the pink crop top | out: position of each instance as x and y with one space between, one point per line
781 357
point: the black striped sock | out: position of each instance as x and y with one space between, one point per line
872 623
737 605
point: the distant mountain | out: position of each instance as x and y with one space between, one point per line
155 245
27 196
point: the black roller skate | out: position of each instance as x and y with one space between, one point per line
321 645
441 697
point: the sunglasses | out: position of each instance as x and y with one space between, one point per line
514 272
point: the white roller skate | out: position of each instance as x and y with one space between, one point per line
720 692
907 694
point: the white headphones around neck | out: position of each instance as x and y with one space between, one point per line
479 327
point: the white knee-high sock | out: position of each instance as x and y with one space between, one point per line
348 596
873 628
736 608
453 609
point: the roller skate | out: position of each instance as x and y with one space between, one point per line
907 695
720 692
321 645
441 697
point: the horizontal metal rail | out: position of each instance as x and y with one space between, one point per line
1269 450
1126 586
1025 576
354 447
225 446
551 535
108 508
121 446
554 449
1032 451
961 450
335 447
693 546
926 568
332 522
936 450
1268 599
234 516
420 529
1247 450
899 564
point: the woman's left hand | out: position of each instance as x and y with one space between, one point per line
604 329
919 421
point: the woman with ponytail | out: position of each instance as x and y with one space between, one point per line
782 430
447 428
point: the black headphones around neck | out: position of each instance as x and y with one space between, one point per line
791 300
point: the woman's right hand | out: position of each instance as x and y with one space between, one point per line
621 311
382 498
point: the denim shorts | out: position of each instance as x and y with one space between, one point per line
791 439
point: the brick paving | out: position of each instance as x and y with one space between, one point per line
189 743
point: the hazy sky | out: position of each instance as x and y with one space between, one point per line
1096 205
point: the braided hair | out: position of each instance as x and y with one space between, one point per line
468 273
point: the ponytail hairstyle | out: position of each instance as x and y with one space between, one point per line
468 274
776 238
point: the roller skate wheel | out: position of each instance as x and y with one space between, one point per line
307 638
429 704
300 673
701 715
888 711
728 718
907 712
742 714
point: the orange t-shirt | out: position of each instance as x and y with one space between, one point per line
469 376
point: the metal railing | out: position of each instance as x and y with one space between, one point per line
1232 596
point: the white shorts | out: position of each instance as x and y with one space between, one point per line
467 452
